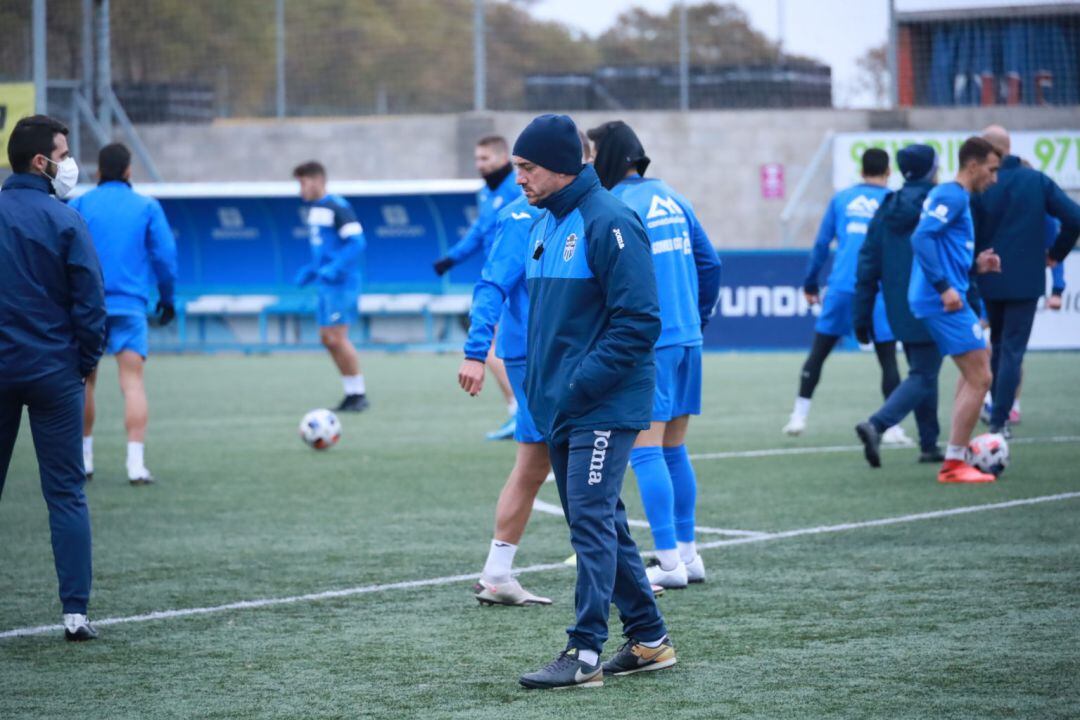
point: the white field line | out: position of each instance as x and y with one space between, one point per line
450 579
551 509
813 450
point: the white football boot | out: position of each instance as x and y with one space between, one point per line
507 593
695 570
895 436
672 579
795 426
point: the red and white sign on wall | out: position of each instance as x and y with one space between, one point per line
772 181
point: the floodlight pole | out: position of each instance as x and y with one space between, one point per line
280 51
479 58
104 67
41 68
892 52
684 59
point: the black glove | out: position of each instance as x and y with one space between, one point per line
442 265
863 334
165 313
811 289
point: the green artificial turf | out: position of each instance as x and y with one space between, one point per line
969 615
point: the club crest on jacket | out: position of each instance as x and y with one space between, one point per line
571 245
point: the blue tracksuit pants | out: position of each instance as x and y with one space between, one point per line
918 392
1010 330
56 420
589 467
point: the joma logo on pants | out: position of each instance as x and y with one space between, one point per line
599 452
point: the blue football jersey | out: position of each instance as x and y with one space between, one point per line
846 220
944 245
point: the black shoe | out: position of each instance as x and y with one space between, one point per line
934 455
871 440
565 671
77 628
633 657
353 403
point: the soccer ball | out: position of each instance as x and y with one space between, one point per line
990 453
320 429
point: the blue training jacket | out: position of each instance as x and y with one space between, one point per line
337 242
52 296
481 236
502 289
687 266
944 246
593 314
134 243
846 218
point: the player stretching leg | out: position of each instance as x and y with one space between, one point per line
337 242
846 219
492 157
136 245
688 286
944 243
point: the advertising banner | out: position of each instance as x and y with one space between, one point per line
16 102
1054 152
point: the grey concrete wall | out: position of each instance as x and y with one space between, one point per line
714 158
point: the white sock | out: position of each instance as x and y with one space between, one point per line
802 408
989 399
1016 405
499 561
354 384
135 456
669 559
687 551
652 643
956 452
589 657
88 453
512 408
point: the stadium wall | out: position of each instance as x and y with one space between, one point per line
714 157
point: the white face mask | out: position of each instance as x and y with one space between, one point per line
67 176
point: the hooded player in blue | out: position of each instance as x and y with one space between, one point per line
137 248
590 379
944 246
847 218
688 286
492 158
337 245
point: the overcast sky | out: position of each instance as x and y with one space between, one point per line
836 32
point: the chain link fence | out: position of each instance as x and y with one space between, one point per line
198 60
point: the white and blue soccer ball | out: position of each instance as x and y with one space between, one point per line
320 429
989 452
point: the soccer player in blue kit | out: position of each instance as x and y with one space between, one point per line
688 286
846 219
337 244
492 158
136 247
589 380
944 246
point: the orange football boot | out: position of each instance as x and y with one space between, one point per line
958 471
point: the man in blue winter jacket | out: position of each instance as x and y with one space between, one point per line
52 334
846 219
885 262
688 286
1010 217
590 377
492 157
501 297
136 247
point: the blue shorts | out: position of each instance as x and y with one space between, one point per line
337 306
678 382
526 431
957 332
838 313
126 332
